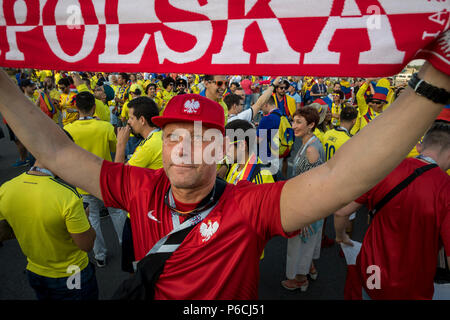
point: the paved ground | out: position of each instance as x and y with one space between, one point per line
331 267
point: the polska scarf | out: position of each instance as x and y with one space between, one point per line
361 38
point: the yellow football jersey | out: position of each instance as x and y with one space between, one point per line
366 114
55 96
333 140
95 136
148 153
42 211
102 111
124 112
320 134
336 109
68 108
225 110
162 98
234 175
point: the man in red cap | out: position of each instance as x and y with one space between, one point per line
219 257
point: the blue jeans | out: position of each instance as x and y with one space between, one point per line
132 144
364 295
114 119
127 247
56 288
117 216
248 100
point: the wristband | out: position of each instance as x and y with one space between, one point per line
424 89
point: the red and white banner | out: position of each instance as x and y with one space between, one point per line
282 37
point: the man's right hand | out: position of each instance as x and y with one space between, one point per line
123 134
277 81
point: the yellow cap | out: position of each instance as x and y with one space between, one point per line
133 87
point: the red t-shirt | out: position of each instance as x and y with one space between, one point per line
246 85
405 236
222 266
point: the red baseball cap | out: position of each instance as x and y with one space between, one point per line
445 114
190 108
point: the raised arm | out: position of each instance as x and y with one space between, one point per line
361 99
46 141
376 150
262 100
78 82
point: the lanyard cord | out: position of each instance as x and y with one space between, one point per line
42 170
308 143
201 213
427 159
170 202
86 118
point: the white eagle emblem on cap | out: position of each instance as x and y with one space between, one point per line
191 106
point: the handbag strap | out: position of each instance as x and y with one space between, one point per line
402 185
150 268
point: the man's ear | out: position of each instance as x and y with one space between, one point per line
243 147
419 147
226 145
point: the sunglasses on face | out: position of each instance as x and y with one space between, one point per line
282 88
376 102
219 83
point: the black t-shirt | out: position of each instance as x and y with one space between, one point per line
319 89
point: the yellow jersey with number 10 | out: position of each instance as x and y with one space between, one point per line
333 140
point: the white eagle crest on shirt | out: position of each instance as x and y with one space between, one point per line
208 230
191 106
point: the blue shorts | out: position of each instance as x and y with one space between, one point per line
56 288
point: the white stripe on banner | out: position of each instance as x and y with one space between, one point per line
297 8
413 6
